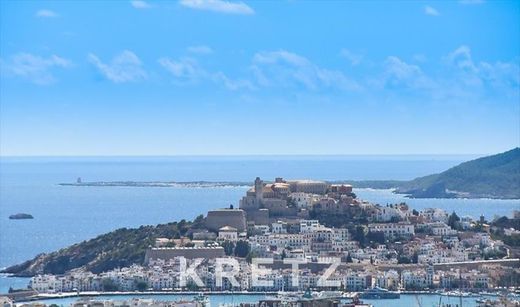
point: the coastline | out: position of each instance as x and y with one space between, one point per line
94 294
63 295
358 184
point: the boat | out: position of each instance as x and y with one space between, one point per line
458 293
379 293
202 300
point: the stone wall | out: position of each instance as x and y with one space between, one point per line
169 253
217 219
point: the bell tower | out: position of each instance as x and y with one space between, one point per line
259 187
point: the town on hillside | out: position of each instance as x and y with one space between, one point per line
316 226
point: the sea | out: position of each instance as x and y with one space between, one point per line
406 300
64 215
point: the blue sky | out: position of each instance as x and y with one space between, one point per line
260 77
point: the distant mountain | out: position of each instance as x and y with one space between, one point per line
496 176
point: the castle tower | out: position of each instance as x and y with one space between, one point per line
259 187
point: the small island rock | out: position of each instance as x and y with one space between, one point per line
21 216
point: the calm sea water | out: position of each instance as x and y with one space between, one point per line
216 300
66 215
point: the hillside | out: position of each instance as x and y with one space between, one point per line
496 176
120 248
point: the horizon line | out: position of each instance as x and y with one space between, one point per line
242 155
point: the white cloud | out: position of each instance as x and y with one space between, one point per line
461 57
185 70
125 67
44 13
428 10
283 68
139 4
233 85
399 73
220 6
35 68
188 71
353 58
397 68
503 76
200 49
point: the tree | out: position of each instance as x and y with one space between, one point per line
359 235
453 220
291 203
141 286
229 247
198 222
401 259
349 258
415 257
183 226
109 285
250 256
170 244
376 236
242 249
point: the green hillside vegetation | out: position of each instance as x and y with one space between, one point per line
496 176
120 248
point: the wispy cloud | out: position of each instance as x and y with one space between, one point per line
45 13
220 6
35 68
125 67
200 49
284 68
352 57
184 70
399 73
500 76
139 4
461 57
428 10
188 71
458 78
231 84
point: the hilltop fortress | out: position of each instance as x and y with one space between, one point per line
282 199
287 198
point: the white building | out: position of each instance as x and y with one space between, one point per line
304 200
309 226
441 229
228 233
357 281
434 215
392 230
279 227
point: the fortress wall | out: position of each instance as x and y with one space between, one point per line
217 219
169 253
